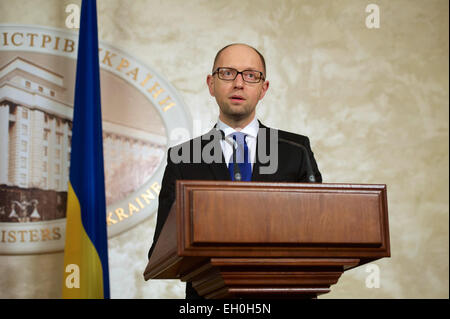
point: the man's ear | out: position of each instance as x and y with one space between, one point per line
264 89
210 83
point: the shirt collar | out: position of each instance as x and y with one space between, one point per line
251 129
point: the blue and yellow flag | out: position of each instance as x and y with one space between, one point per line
86 272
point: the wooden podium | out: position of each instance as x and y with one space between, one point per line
269 240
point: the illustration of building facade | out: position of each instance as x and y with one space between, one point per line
35 140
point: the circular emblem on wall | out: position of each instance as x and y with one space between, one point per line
140 111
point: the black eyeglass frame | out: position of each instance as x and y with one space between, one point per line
262 78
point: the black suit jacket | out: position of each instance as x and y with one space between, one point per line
292 167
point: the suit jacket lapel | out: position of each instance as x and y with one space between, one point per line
256 176
219 170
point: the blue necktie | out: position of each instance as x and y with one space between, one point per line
242 158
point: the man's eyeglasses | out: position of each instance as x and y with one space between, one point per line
230 74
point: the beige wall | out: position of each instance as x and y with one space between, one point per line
374 103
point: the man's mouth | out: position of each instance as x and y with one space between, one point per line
237 98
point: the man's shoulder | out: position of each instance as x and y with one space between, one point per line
198 150
286 136
294 137
199 140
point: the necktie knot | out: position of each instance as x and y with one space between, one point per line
239 137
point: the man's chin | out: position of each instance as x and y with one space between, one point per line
237 113
236 110
238 117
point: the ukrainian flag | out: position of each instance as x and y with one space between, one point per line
86 272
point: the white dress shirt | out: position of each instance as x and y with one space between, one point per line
251 130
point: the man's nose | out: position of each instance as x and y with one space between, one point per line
239 81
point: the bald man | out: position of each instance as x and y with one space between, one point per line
239 147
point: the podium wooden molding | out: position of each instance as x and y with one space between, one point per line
275 240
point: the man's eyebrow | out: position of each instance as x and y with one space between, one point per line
243 69
253 69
